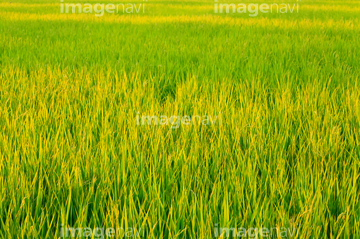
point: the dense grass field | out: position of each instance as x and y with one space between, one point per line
286 86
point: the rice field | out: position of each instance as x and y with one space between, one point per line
285 153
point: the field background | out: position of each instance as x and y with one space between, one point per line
286 153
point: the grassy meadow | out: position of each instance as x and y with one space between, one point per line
286 86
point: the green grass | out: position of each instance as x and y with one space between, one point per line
286 153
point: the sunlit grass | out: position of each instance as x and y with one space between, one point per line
213 20
285 154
